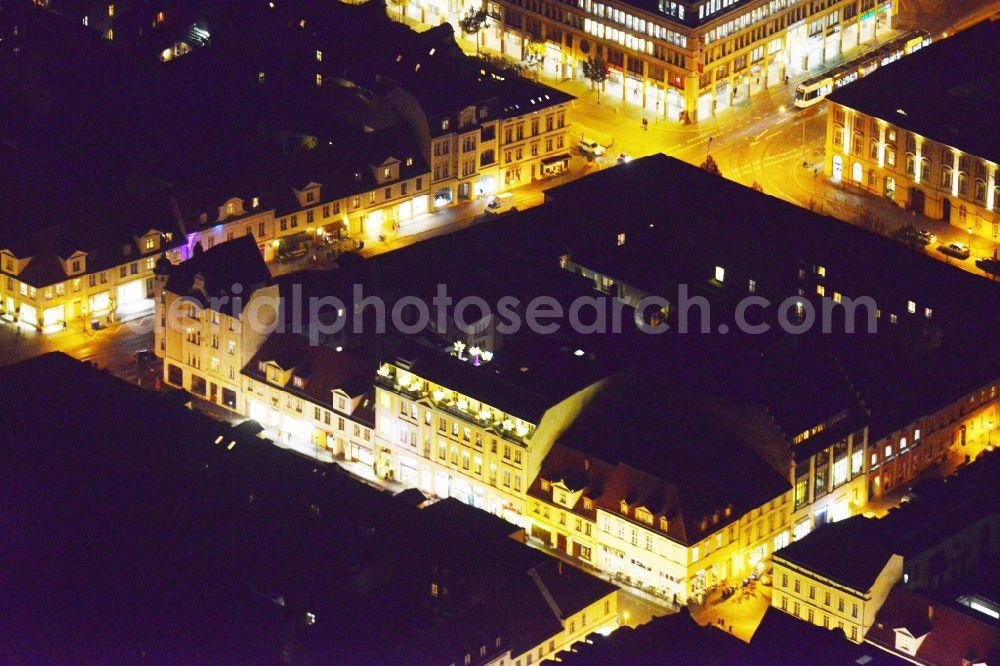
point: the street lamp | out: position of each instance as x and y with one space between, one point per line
970 237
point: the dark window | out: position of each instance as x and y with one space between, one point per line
198 385
175 375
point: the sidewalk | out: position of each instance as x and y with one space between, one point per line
739 614
659 602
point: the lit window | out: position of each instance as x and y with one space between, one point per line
720 274
888 450
621 239
111 10
902 443
319 79
911 307
821 271
319 56
753 286
928 313
820 289
916 435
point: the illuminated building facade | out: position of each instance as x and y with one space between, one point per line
481 130
929 148
311 398
843 595
363 188
75 274
634 526
213 312
452 429
683 60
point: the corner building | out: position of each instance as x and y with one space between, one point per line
684 60
929 146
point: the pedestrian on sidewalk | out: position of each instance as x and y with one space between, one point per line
645 124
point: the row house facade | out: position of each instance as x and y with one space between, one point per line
964 425
213 313
634 527
47 289
361 201
314 399
438 433
488 132
683 60
926 176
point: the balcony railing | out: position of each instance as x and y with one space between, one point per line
450 407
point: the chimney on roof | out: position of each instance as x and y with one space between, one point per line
586 464
560 566
930 611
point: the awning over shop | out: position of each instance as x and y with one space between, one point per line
556 159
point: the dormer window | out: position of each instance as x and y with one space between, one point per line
76 265
310 196
299 382
230 208
409 161
588 503
445 124
150 243
255 202
663 523
623 507
387 173
644 516
273 375
483 112
127 250
546 486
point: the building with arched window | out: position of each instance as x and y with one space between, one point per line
949 135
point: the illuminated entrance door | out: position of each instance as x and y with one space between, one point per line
838 168
857 172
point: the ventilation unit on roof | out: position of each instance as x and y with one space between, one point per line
404 363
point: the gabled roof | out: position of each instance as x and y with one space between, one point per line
223 267
950 636
323 369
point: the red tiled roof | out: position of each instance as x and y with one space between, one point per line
951 636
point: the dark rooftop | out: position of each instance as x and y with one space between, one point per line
523 380
236 263
948 92
832 551
155 533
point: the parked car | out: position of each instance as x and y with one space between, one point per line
144 358
926 237
957 250
624 158
907 234
989 265
591 147
500 202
